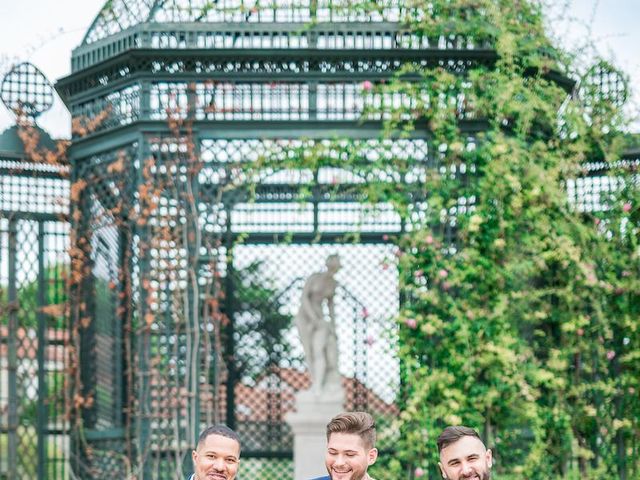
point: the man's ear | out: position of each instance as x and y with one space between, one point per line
444 475
373 456
489 458
194 456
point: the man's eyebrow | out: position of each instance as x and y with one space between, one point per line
215 452
211 450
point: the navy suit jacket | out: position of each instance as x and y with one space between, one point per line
326 477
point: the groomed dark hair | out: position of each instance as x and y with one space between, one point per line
452 434
221 430
358 423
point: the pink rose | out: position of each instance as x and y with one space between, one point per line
411 323
443 273
367 86
626 207
429 239
418 472
611 355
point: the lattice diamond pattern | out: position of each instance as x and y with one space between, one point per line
266 469
26 91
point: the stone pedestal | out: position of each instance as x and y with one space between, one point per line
309 423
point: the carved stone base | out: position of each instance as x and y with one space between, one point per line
308 424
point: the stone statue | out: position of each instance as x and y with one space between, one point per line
318 335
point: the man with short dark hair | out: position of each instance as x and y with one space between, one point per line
463 455
217 455
351 439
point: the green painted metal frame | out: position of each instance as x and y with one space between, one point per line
12 354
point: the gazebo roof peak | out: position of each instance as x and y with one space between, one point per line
119 15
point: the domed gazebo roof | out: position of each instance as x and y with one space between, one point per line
119 15
12 144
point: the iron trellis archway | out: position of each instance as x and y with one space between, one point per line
178 107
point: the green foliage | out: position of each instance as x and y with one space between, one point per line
54 284
28 454
55 394
525 326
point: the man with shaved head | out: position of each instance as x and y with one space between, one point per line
463 455
217 455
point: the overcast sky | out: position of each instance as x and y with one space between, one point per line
45 31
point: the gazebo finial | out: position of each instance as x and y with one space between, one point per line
26 92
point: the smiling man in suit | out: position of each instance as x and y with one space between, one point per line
217 455
463 455
351 438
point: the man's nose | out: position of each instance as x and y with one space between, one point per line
466 469
218 464
340 460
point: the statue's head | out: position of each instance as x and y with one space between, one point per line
333 263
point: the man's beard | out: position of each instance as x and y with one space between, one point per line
361 477
486 475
